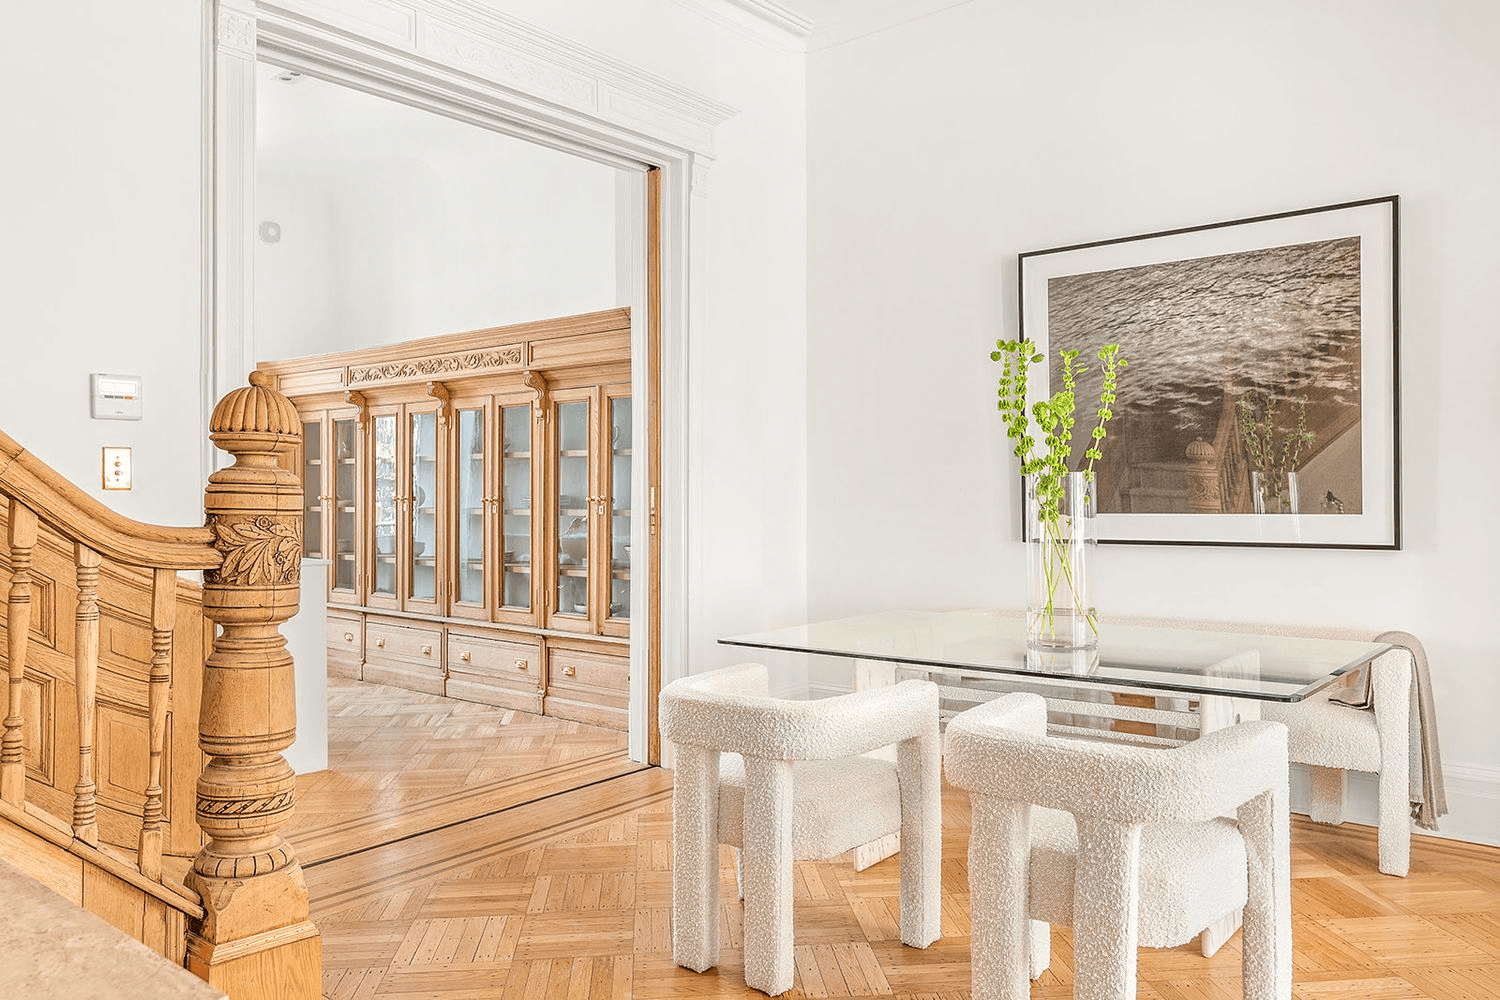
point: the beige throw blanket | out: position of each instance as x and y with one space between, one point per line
1428 799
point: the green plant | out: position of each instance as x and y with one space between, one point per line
1055 420
1273 459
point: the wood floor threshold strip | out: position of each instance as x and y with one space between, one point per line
472 819
322 844
476 791
383 868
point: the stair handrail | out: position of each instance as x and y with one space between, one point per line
1229 450
33 493
80 518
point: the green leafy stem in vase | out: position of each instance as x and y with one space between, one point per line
1273 459
1048 468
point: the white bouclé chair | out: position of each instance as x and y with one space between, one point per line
798 789
1130 845
1333 739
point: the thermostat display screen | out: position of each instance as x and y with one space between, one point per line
116 397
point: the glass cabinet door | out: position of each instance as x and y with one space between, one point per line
422 502
575 500
616 503
471 505
313 497
345 500
514 501
383 507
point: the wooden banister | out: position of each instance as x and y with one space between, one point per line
255 928
251 936
1229 453
77 516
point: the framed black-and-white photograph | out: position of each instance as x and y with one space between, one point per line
1259 406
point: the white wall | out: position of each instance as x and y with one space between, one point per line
397 224
107 273
100 263
748 354
940 149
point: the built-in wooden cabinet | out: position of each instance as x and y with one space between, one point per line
331 478
473 494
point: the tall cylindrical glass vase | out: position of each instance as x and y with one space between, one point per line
1060 538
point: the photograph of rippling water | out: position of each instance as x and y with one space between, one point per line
1255 353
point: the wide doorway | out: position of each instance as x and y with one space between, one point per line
479 458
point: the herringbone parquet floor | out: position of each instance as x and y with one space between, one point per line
401 763
571 898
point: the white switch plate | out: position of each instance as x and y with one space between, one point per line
117 468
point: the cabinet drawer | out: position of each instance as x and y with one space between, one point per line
569 669
346 644
589 687
386 640
482 654
344 632
496 672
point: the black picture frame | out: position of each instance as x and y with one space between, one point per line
1272 340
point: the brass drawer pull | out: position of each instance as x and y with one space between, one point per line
570 671
464 656
348 636
522 665
426 649
380 643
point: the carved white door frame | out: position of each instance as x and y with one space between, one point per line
458 59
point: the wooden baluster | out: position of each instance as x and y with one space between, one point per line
86 680
18 631
255 938
163 621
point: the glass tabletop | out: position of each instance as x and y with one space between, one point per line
1189 661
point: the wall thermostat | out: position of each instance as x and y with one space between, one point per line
116 397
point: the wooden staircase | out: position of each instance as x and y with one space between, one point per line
141 774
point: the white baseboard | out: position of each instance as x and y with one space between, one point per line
1473 793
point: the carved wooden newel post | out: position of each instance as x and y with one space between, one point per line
255 939
1203 479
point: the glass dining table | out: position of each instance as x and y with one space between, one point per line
1186 681
1149 658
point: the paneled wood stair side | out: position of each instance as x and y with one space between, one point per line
105 796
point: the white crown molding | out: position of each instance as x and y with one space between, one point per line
520 57
773 13
890 15
746 19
